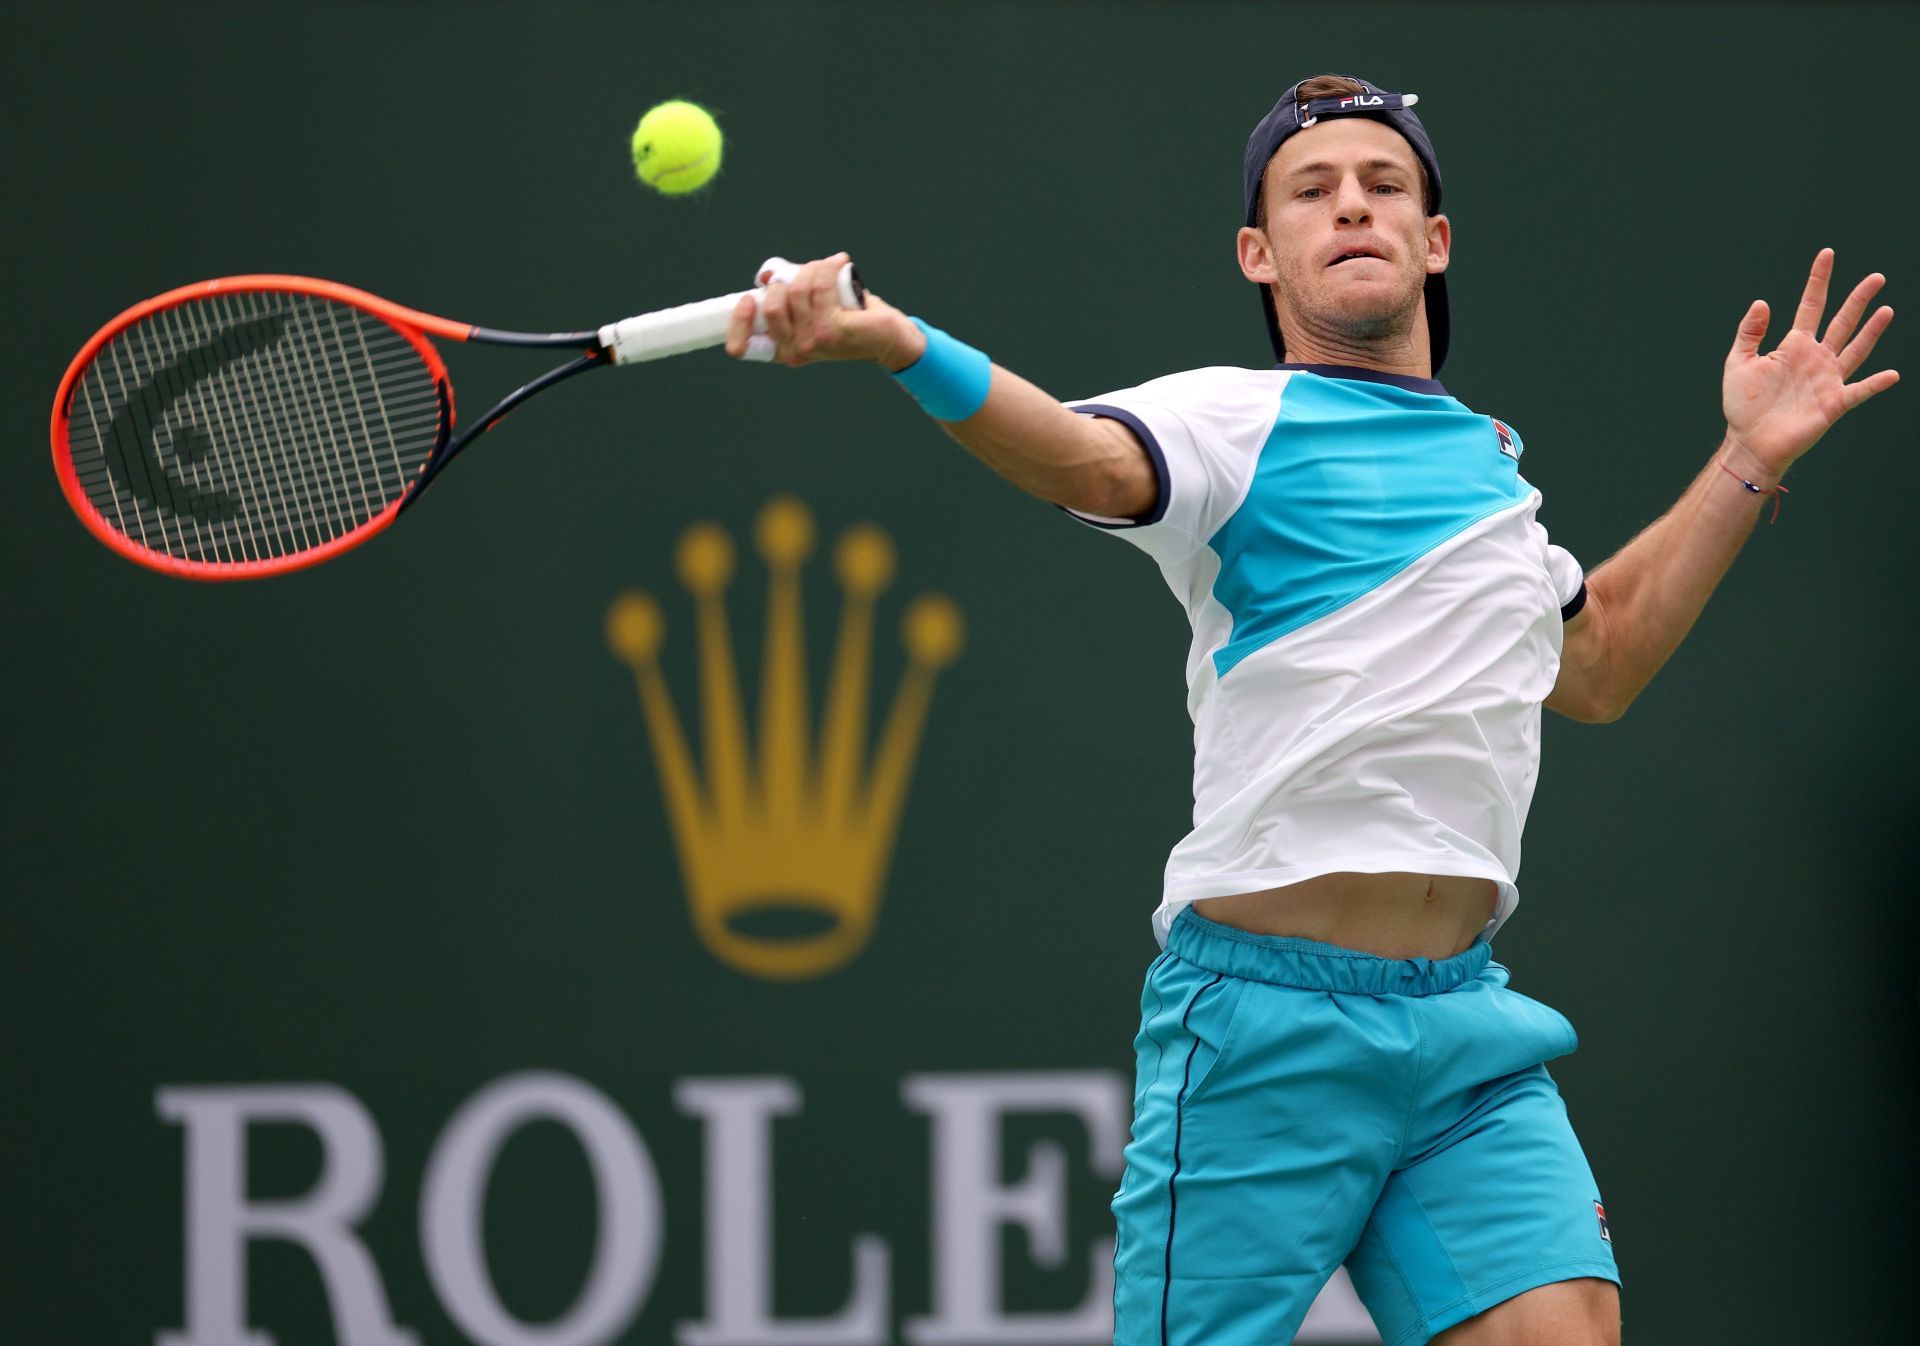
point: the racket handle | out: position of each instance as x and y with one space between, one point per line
703 323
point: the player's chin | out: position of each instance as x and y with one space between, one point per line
1371 289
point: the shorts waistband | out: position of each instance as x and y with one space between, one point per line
1311 965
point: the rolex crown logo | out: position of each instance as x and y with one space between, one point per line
785 825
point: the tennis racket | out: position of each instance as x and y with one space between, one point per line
254 425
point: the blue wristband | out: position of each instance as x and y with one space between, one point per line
950 379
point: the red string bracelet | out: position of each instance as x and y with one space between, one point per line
1776 491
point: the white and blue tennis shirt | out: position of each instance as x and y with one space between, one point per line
1376 621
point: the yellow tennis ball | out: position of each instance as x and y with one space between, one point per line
676 147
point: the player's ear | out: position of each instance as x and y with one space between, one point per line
1256 256
1439 243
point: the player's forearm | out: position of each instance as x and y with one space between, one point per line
1653 590
1087 463
1083 462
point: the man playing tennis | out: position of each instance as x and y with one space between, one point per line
1331 1069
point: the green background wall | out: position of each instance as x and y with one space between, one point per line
393 824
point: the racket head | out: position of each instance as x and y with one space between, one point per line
251 425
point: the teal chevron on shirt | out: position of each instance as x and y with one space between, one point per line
1356 481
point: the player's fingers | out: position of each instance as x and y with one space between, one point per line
740 326
1861 346
826 283
1751 331
816 308
1813 300
775 313
823 304
1871 386
1843 322
800 307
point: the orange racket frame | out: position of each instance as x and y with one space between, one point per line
646 336
409 323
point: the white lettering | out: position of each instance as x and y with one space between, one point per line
220 1219
453 1198
972 1207
738 1121
971 1204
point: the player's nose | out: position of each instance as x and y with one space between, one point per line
1352 203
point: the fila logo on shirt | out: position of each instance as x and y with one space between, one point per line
1507 444
1606 1235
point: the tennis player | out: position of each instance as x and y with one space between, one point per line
1331 1067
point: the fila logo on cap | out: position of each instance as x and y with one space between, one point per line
1306 114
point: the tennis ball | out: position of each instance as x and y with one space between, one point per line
676 147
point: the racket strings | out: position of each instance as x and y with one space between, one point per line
251 426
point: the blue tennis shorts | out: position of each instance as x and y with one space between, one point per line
1301 1105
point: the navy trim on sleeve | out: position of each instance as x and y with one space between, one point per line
1571 608
1154 452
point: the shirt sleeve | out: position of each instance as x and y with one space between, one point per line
1202 432
1569 581
1563 568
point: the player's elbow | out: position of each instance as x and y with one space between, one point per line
1606 710
1120 490
1116 480
1588 703
1595 686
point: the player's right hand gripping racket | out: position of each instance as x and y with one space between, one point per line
258 424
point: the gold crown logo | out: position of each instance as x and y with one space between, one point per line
812 832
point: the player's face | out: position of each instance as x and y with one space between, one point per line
1348 244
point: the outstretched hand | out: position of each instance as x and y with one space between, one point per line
806 323
1778 405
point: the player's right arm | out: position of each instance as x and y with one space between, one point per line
1091 464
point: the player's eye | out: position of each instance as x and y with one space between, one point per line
1309 193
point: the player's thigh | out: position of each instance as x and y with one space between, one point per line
1255 1159
1583 1312
1502 1204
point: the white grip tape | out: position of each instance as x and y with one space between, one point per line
703 323
670 331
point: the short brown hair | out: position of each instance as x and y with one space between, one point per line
1333 86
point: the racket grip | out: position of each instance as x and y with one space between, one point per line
852 291
703 323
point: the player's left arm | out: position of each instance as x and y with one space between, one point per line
1643 601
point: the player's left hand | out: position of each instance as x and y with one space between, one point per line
1779 404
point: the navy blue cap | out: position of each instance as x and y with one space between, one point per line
1290 115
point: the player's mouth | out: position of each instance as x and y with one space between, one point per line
1356 254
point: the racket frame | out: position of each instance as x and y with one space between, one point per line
410 323
643 337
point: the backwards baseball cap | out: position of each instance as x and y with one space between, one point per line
1290 115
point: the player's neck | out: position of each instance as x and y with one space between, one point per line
1407 353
